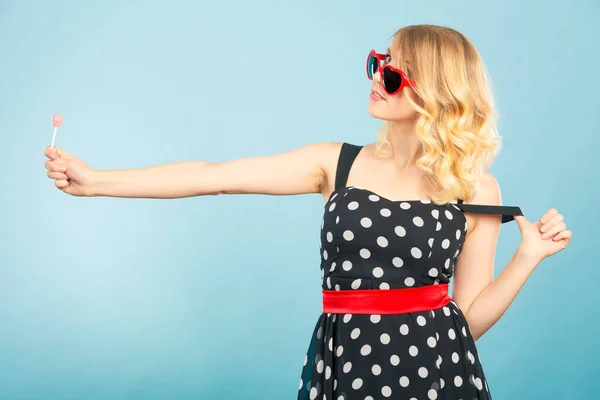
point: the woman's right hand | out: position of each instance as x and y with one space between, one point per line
70 174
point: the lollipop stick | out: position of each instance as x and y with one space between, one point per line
54 136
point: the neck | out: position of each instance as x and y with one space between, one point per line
405 142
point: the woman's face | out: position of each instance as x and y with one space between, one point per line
393 108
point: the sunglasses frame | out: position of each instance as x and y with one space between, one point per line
381 58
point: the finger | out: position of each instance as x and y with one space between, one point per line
57 175
554 230
521 221
563 235
551 222
61 184
549 214
55 166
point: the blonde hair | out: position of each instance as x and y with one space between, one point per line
456 120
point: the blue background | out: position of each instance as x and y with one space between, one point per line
217 297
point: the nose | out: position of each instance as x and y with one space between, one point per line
377 77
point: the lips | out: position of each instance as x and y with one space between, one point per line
377 93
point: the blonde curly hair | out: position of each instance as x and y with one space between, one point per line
456 113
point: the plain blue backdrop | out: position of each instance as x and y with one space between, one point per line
216 297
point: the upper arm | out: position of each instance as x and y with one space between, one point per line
299 171
475 265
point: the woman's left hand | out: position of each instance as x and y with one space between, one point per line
545 237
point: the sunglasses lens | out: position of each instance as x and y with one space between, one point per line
372 65
391 80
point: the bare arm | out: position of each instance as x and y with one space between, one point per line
482 301
299 171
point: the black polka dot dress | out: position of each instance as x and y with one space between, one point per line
369 242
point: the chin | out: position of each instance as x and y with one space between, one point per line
376 112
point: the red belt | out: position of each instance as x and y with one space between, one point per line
395 301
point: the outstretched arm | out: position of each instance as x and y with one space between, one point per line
303 170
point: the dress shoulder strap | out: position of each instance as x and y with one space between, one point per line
347 156
508 212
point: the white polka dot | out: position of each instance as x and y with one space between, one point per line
320 366
337 219
446 311
375 318
384 286
442 383
455 357
395 360
478 383
438 362
400 231
374 197
404 381
418 221
328 372
369 398
413 351
448 214
433 272
471 357
464 331
365 350
435 213
451 334
332 207
340 351
421 320
313 393
458 234
430 242
347 367
426 201
355 333
353 205
348 235
445 243
377 272
447 264
376 370
458 381
385 338
328 282
438 226
423 372
397 262
404 329
347 318
347 265
356 283
385 212
409 281
404 205
325 255
334 196
357 384
386 391
432 394
301 384
416 252
364 253
305 360
329 237
431 342
366 222
330 344
382 242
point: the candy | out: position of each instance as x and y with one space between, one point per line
57 120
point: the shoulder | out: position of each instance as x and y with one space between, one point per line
487 191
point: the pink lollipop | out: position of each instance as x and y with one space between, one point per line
57 121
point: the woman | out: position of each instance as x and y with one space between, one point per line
402 216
